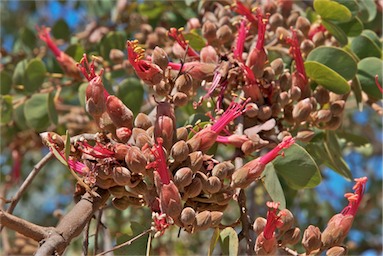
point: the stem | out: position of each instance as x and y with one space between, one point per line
126 243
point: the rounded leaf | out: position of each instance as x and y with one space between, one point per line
60 30
52 113
326 77
36 112
367 11
18 74
368 68
335 59
336 31
364 47
297 168
195 41
131 92
273 186
331 10
6 109
6 82
112 40
76 51
34 75
229 241
352 28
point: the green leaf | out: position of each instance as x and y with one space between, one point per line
112 40
336 59
367 69
59 156
373 36
76 51
60 30
18 74
364 47
34 75
331 10
6 109
357 89
81 93
368 10
336 31
334 153
352 5
131 92
352 28
195 40
356 140
297 168
139 245
326 77
36 112
273 186
52 113
229 242
27 37
6 82
213 241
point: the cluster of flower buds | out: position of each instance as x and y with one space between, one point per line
146 160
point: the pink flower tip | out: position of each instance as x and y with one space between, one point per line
355 198
270 156
177 35
88 70
44 34
273 221
262 23
160 164
295 51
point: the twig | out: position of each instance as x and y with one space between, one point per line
126 243
98 224
245 221
290 251
85 243
15 199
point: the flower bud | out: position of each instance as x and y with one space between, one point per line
164 126
285 82
337 107
160 58
202 221
162 88
121 176
224 34
282 33
216 217
118 191
179 151
170 200
292 236
116 56
209 30
302 110
264 113
142 121
124 202
268 74
287 218
212 185
251 110
283 99
194 189
182 133
199 70
95 98
223 170
195 160
120 151
184 83
209 55
303 24
319 39
322 95
105 183
323 115
334 123
180 99
183 177
276 21
336 251
193 23
311 239
305 135
123 134
142 139
306 47
188 216
259 225
136 160
121 115
249 147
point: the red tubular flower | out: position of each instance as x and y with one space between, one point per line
67 63
299 77
235 140
177 35
258 56
149 72
340 224
241 38
245 175
205 138
97 151
266 243
170 198
240 8
165 124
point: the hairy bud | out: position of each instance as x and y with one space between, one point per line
202 221
180 151
136 160
287 218
142 121
180 99
291 236
184 83
223 169
259 225
302 110
194 189
183 177
209 54
311 239
188 216
336 251
121 176
160 58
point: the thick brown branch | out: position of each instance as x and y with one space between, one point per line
23 227
72 224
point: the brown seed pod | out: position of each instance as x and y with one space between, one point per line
276 21
337 107
216 217
277 65
202 221
285 81
264 113
118 191
136 160
223 170
194 189
180 151
183 177
142 121
195 161
188 216
180 99
302 110
121 176
182 133
212 185
311 240
184 83
160 58
336 251
292 236
224 34
259 225
303 24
